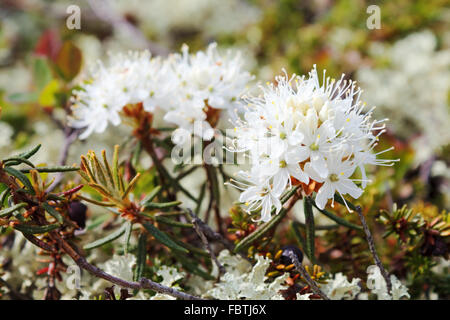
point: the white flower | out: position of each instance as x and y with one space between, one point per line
185 87
204 82
300 130
412 89
128 78
337 180
258 195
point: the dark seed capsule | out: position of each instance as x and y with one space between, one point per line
440 247
77 213
285 259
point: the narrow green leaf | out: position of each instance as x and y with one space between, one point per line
128 230
11 209
115 168
163 237
33 229
172 222
15 161
310 229
52 169
151 195
193 267
111 237
28 154
339 220
98 221
141 257
276 219
295 226
20 176
53 212
131 185
108 169
4 195
338 199
261 231
23 97
41 73
164 205
136 155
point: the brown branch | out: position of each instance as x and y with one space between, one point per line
373 249
299 267
142 284
197 226
214 198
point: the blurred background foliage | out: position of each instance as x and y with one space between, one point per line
407 61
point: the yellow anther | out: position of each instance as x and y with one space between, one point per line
289 267
278 254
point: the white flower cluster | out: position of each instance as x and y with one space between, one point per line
300 130
184 87
208 17
412 89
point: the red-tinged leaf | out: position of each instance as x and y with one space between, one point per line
68 60
42 271
48 45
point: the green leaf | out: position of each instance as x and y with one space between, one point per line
128 236
154 205
28 154
111 237
23 97
136 155
20 176
265 227
51 169
53 212
11 209
193 267
4 195
310 229
295 226
163 237
41 73
151 195
339 220
261 231
33 229
68 60
98 221
338 199
172 222
15 161
141 257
